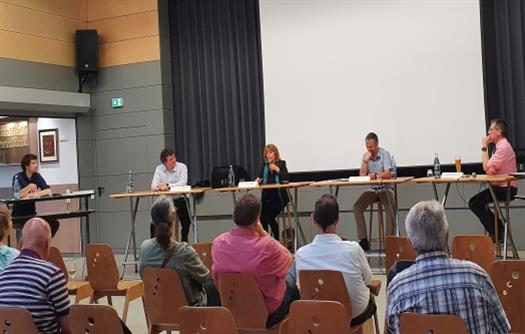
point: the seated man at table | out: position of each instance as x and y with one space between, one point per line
32 283
249 249
329 252
437 284
32 185
377 164
174 172
502 161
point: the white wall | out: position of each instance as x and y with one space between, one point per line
65 171
409 70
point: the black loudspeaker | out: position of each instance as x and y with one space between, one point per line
87 51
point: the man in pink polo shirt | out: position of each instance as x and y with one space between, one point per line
502 161
249 249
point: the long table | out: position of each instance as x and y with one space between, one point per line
293 200
359 182
83 210
480 179
134 199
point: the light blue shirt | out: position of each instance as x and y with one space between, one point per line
7 255
178 176
379 164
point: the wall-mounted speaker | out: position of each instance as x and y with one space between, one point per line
87 51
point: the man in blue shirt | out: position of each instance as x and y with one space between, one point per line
32 185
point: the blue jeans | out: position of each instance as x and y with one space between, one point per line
291 294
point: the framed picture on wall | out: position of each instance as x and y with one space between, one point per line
48 145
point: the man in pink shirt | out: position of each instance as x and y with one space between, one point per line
502 161
249 249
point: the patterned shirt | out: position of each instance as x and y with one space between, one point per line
178 176
39 287
436 284
379 164
7 255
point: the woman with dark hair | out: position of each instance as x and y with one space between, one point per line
180 256
273 201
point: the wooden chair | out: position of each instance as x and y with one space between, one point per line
414 323
163 296
328 285
398 248
316 317
241 294
475 248
16 321
94 319
206 320
508 278
104 280
80 289
204 251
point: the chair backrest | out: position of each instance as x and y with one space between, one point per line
16 321
325 285
415 323
55 257
241 294
163 295
204 251
101 267
317 317
206 320
475 248
94 319
398 248
508 278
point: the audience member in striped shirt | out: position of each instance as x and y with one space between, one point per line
32 283
437 284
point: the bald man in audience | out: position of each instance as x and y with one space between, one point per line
32 283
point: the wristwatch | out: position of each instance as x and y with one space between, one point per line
484 149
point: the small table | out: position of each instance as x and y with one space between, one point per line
134 199
485 179
82 195
358 182
293 200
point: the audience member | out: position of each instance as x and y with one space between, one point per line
7 254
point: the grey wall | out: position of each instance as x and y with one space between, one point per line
115 141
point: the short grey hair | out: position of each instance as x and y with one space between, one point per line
427 227
162 210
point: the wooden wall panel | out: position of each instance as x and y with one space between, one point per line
32 48
126 27
36 23
76 9
129 51
102 9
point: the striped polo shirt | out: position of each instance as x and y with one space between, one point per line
38 286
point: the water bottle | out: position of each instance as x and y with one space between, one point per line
131 183
437 167
16 188
231 177
394 168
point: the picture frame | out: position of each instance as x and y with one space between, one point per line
48 145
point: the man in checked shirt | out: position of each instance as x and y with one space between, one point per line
437 284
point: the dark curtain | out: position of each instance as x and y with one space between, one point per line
503 34
217 84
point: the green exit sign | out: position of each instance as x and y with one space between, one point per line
117 102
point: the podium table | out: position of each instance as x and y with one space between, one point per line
286 186
337 184
83 210
480 179
134 199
